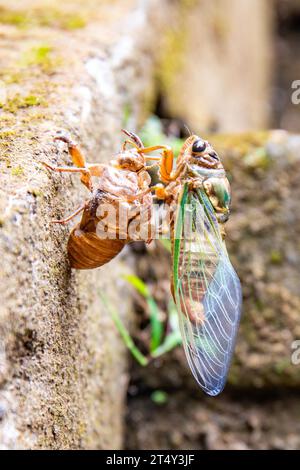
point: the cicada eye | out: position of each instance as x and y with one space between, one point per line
199 146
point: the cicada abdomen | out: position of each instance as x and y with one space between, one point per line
86 249
97 239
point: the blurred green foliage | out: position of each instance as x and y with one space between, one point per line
153 134
159 397
163 337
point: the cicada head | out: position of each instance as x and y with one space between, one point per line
199 152
130 160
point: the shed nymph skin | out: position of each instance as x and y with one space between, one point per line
124 185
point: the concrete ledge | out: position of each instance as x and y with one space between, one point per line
62 364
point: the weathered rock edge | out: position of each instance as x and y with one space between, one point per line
62 364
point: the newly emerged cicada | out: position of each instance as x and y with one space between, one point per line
205 286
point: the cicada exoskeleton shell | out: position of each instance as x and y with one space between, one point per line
89 246
123 185
86 249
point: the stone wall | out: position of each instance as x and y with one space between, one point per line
87 70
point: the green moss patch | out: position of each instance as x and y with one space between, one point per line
19 101
41 56
43 17
17 171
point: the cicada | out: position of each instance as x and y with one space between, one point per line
121 187
205 286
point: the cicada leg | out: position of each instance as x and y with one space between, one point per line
129 142
77 158
165 160
134 139
136 197
71 216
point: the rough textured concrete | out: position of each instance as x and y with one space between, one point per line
63 365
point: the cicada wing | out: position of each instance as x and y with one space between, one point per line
207 291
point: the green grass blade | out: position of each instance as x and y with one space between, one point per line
138 284
155 323
136 353
171 341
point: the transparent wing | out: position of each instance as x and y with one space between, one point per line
207 291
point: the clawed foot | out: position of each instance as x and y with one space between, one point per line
64 136
47 165
66 169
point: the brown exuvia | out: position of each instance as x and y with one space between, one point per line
123 183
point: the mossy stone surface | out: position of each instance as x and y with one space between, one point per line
63 366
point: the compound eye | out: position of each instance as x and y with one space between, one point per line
199 146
